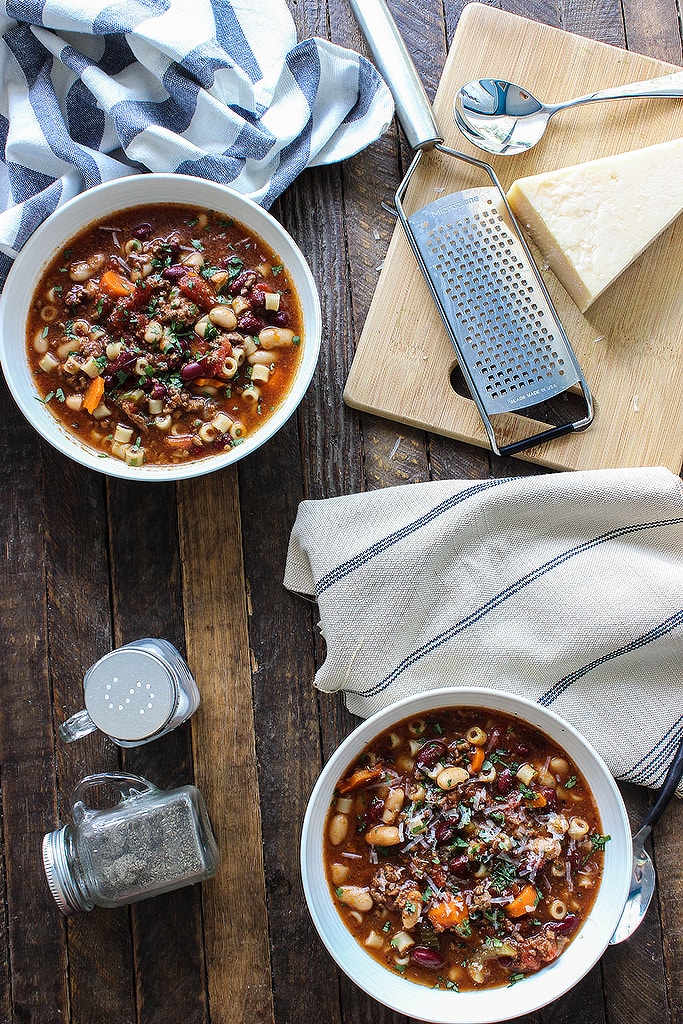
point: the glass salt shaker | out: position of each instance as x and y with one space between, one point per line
150 842
135 694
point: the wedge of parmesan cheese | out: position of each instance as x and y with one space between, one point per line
592 220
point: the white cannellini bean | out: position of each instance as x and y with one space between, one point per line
339 873
40 342
356 897
452 776
83 270
194 260
276 337
383 835
263 357
224 317
338 829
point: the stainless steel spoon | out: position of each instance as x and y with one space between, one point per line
643 875
502 118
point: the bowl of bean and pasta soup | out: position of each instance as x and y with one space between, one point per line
159 327
465 856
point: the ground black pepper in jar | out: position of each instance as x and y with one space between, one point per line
150 842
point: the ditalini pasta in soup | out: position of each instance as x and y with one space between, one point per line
463 849
164 334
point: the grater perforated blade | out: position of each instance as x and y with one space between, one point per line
510 344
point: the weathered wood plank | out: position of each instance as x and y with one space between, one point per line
288 732
79 615
234 903
34 979
168 944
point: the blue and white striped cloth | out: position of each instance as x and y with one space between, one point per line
216 88
565 588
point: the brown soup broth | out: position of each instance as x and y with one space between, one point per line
164 334
463 849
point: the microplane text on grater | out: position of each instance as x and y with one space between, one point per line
509 342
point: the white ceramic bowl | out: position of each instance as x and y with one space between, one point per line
441 1006
92 205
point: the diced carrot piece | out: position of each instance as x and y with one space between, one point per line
538 801
448 914
476 761
93 395
359 778
523 903
116 284
213 382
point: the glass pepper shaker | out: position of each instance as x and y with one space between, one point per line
150 842
135 694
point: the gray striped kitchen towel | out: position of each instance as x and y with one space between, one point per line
215 88
566 588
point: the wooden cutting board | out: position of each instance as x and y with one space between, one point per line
629 343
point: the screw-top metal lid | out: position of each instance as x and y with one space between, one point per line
56 864
130 694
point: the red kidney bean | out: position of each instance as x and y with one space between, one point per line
429 753
159 390
280 318
142 231
426 957
459 866
551 797
504 782
243 282
258 295
444 831
174 272
373 813
564 927
190 371
250 323
124 364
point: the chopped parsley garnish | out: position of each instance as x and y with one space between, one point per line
571 782
502 876
599 842
514 978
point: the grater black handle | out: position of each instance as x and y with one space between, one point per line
395 64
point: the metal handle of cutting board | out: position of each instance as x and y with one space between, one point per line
394 63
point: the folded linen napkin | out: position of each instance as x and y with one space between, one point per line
565 588
216 88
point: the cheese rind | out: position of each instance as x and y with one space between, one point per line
592 220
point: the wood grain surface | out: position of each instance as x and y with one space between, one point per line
91 563
629 343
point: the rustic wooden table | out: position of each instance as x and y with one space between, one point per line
91 563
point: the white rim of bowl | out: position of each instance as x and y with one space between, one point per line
486 1006
130 192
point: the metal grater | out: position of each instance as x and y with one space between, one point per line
510 344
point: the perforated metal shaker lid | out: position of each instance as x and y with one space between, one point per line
130 694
